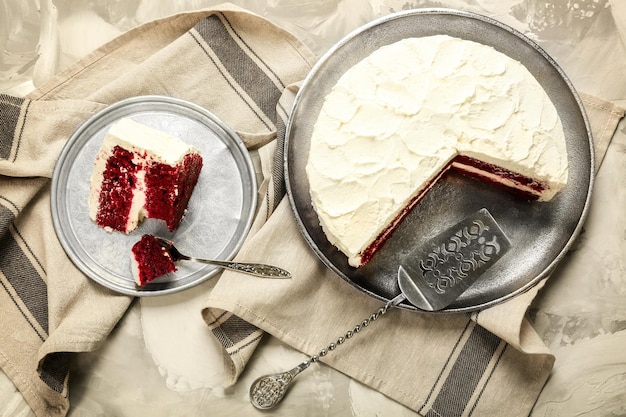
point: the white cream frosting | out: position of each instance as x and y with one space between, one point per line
147 144
396 119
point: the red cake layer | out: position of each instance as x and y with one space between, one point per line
169 188
457 164
116 197
151 260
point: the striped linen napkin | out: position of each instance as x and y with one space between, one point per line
483 364
227 60
246 71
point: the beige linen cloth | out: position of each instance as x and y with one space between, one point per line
246 71
488 363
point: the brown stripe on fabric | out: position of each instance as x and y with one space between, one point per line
21 274
256 84
10 109
447 363
268 205
493 368
6 215
54 370
251 51
250 342
465 374
228 81
278 169
216 320
233 330
27 317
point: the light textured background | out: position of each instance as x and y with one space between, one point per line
162 349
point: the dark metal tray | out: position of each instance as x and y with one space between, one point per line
540 233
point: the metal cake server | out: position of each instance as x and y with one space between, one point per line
258 270
435 274
431 277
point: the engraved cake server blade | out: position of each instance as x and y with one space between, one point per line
258 270
431 277
435 274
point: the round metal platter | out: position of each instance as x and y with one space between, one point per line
219 213
540 232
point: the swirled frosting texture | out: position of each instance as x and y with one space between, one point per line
395 120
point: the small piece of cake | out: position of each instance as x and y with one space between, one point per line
149 260
141 172
396 121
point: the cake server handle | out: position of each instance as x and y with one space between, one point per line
267 391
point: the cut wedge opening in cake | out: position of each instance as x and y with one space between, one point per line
396 121
495 175
141 172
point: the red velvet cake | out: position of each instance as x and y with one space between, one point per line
396 121
149 260
141 172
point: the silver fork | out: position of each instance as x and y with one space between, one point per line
258 270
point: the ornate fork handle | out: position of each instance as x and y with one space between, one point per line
259 270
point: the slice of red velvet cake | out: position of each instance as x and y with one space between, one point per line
141 172
149 260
